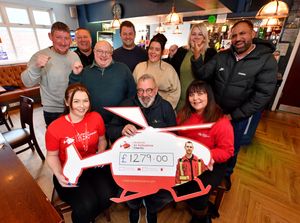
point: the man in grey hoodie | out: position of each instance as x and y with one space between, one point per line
51 68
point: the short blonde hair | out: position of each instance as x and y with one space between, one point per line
204 32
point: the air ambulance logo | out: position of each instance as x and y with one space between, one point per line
125 145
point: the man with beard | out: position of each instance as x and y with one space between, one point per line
158 113
243 80
129 53
84 46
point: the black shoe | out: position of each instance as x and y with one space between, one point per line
227 183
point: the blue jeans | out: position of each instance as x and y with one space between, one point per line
51 116
239 127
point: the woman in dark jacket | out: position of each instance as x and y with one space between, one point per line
198 44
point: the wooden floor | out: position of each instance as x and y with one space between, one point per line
266 181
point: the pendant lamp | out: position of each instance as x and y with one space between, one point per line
116 23
173 18
274 22
274 9
160 28
177 30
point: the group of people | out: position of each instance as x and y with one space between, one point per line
201 85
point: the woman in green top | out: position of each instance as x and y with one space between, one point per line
197 44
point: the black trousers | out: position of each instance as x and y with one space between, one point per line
95 188
212 178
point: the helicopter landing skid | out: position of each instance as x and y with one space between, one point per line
203 191
123 197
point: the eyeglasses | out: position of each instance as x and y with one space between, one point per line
141 91
102 52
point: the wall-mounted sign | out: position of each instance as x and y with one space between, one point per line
211 19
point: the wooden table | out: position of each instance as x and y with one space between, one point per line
21 198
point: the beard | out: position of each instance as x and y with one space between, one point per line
146 103
243 49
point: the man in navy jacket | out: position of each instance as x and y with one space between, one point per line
158 114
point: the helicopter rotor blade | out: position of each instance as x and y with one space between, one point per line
132 114
182 128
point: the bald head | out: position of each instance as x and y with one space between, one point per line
105 43
103 53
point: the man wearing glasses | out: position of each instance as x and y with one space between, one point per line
158 113
108 82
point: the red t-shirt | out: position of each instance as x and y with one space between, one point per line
84 134
218 138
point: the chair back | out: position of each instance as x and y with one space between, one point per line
3 116
26 112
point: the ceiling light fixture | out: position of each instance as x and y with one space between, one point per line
116 23
173 18
160 28
274 9
177 30
274 22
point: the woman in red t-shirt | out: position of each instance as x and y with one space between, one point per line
200 107
86 130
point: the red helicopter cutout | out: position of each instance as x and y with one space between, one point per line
143 163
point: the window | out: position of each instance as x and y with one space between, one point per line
17 15
6 48
41 17
22 37
43 38
23 32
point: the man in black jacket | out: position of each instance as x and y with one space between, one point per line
243 79
158 113
84 46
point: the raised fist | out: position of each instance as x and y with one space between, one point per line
77 67
42 60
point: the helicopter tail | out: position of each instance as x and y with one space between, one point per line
71 171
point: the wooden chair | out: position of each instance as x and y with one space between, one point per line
4 116
25 134
62 207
